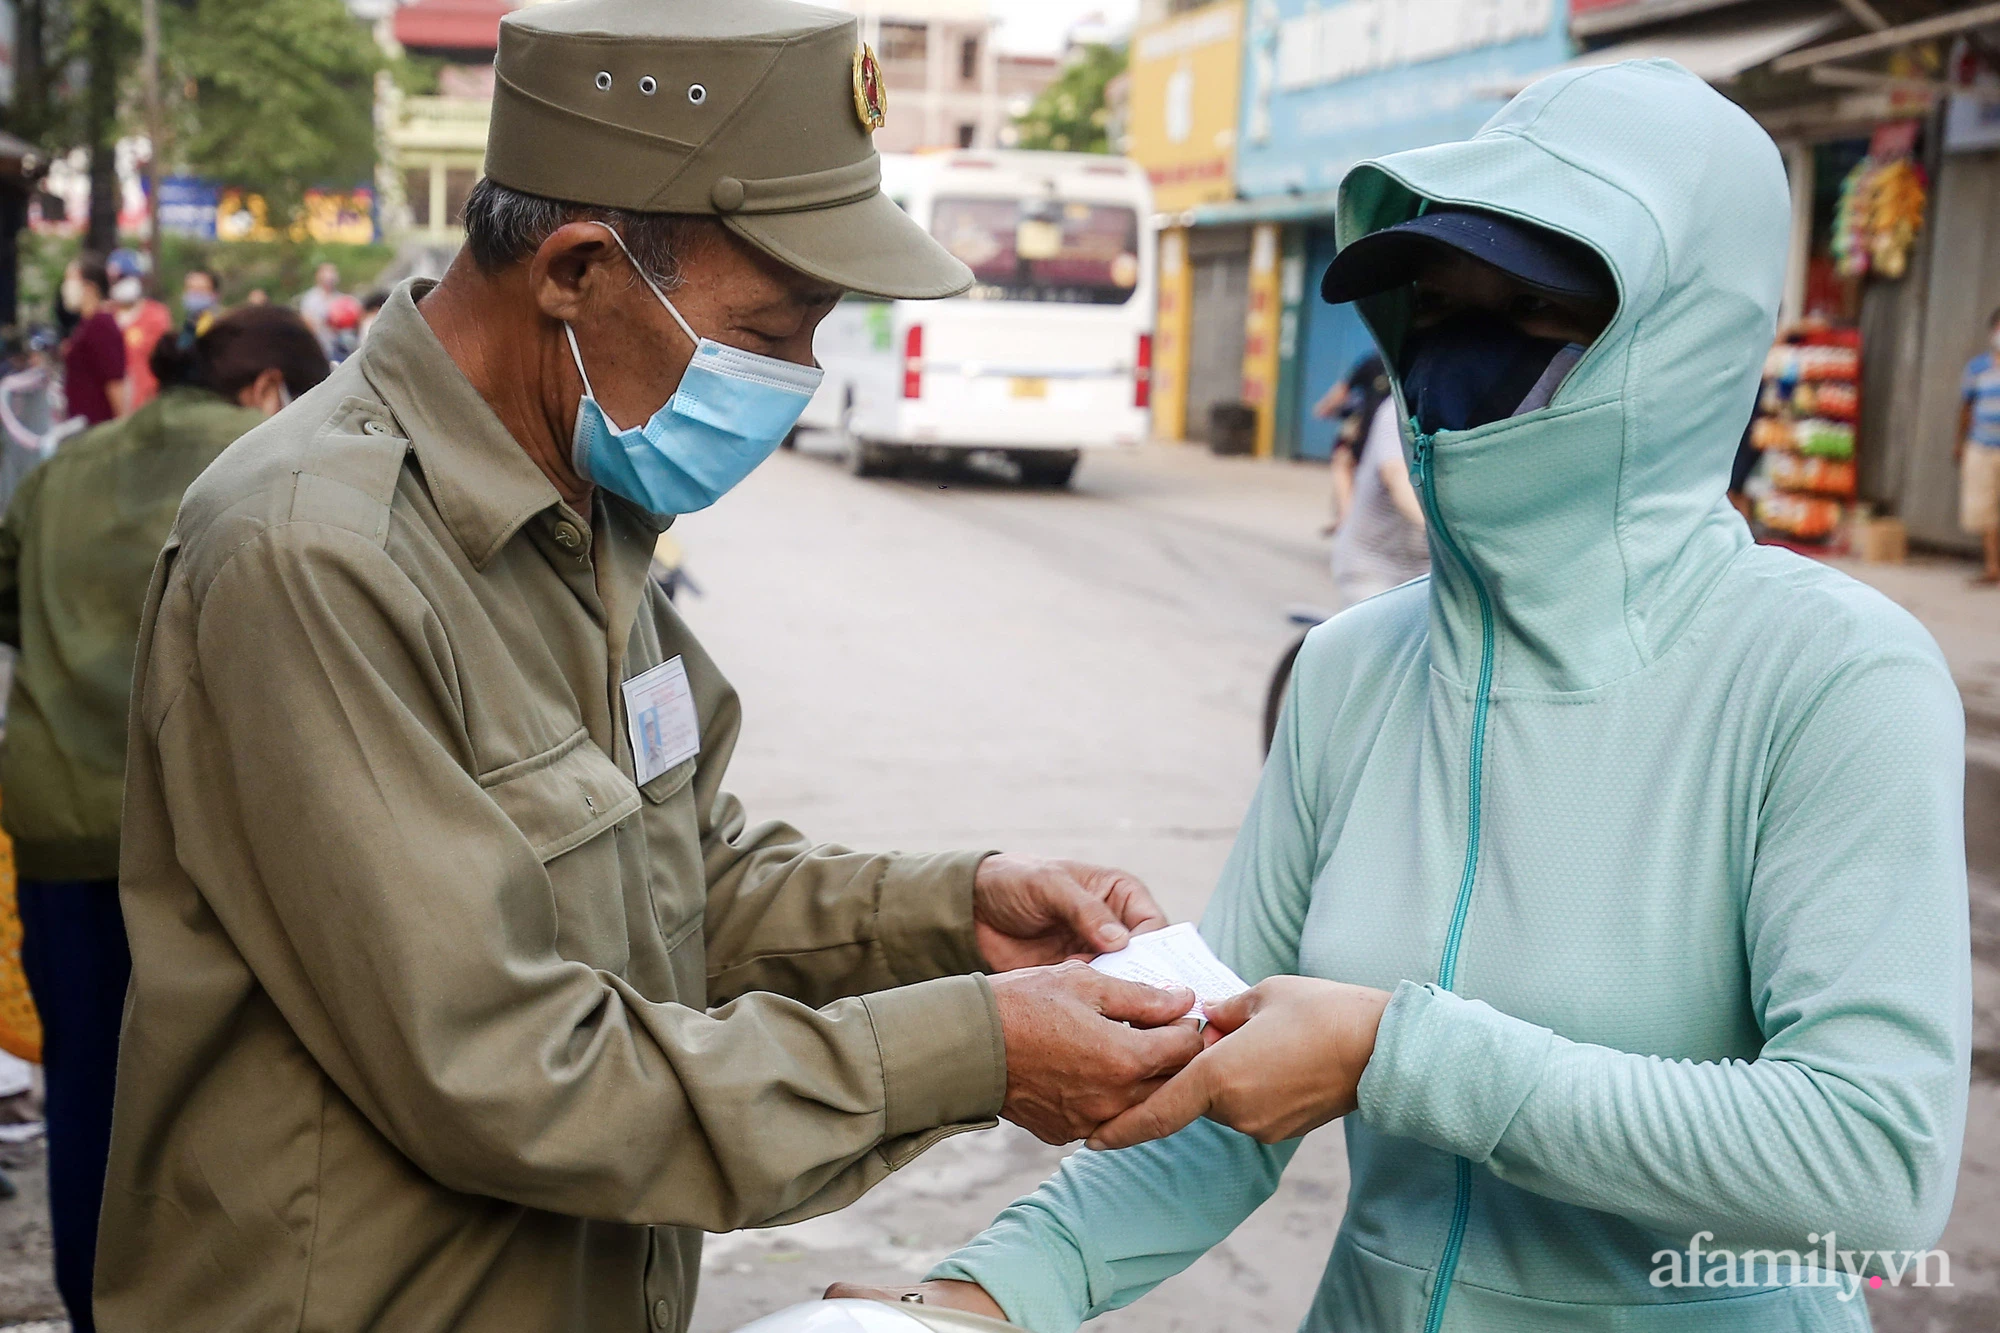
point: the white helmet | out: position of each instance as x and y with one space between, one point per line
873 1317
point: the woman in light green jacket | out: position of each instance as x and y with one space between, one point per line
1613 876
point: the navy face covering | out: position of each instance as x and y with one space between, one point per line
1472 368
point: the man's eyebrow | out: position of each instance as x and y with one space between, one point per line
805 295
795 297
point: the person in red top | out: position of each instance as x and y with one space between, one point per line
94 355
143 320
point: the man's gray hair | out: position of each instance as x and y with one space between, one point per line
504 227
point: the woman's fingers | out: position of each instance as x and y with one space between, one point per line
1231 1014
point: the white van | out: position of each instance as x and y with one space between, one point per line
1050 352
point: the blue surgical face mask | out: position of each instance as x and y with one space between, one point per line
732 410
1473 368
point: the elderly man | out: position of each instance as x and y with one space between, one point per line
463 994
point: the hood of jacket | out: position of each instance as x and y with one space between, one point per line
1581 538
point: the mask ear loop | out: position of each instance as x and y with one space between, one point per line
577 357
646 278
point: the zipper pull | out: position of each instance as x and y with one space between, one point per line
1420 470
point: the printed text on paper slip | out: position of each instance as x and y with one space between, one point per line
1176 956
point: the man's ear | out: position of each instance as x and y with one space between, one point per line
569 271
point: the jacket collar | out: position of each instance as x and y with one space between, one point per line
484 484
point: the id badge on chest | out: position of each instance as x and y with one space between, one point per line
659 713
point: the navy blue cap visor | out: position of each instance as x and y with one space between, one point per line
1386 259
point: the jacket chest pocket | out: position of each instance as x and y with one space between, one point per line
573 806
677 878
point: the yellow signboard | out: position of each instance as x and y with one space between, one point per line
1185 77
344 216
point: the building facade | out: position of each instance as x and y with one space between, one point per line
950 85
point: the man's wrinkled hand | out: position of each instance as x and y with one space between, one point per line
940 1295
1083 1047
1029 912
1284 1058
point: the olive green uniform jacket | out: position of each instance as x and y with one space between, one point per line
78 542
420 1033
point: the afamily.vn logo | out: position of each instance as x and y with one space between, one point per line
1820 1265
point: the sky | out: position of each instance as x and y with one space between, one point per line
1040 25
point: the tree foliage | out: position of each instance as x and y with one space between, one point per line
274 96
1070 116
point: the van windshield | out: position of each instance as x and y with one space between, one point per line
1042 249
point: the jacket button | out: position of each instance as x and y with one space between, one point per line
663 1314
568 537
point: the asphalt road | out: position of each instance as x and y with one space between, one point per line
948 661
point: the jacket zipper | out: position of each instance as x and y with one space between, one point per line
1461 1210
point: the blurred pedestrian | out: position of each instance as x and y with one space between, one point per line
201 297
1978 451
1380 543
343 322
77 547
318 305
258 296
94 352
371 306
143 321
1351 404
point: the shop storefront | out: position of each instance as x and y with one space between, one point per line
1891 136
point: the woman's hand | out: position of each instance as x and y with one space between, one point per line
1289 1058
944 1295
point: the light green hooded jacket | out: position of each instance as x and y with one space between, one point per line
1656 835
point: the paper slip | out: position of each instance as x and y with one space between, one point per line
1176 956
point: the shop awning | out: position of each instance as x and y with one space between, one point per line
1717 55
1268 208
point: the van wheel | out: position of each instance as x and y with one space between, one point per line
1047 467
871 460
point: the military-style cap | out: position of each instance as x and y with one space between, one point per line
759 112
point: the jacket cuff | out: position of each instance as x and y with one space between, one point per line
1450 1072
1036 1274
924 916
944 1061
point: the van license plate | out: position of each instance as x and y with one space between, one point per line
1029 386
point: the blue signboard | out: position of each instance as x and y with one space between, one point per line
187 206
1326 85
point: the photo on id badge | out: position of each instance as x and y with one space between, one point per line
659 715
